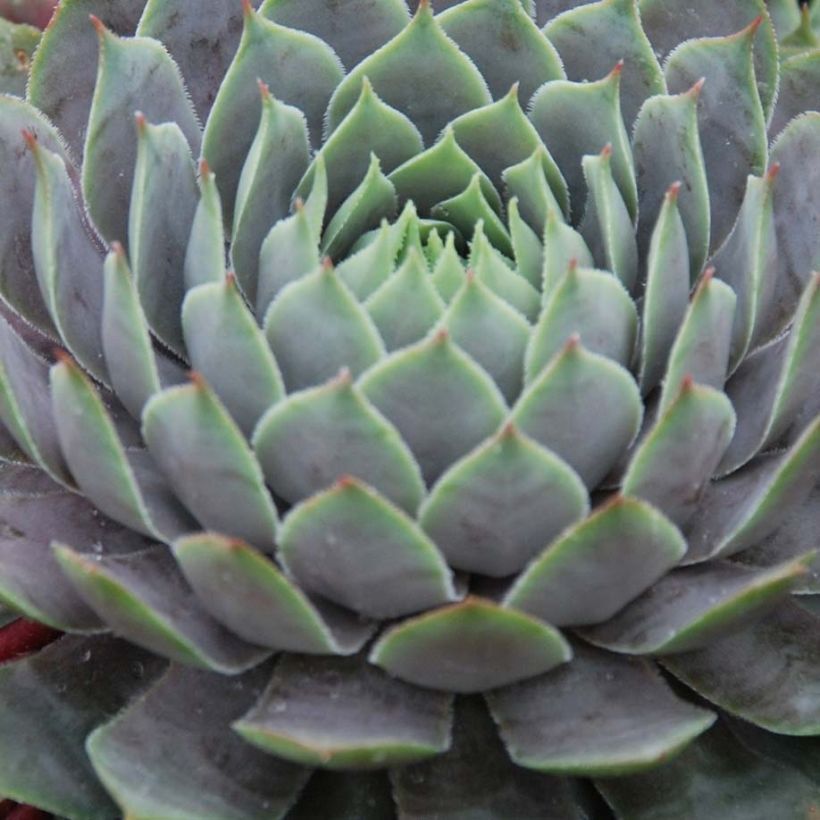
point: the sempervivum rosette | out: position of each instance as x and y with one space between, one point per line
434 433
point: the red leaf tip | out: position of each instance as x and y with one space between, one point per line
573 343
204 168
469 275
230 279
687 383
606 151
509 430
264 89
98 24
344 377
754 25
62 357
697 87
708 276
247 8
30 137
441 336
117 249
197 379
139 119
346 481
617 69
772 172
327 264
673 190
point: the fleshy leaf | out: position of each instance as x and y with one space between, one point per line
599 565
592 305
124 484
25 404
777 384
796 213
501 38
202 40
276 160
371 126
448 273
743 509
227 347
144 598
539 186
64 68
527 247
667 290
448 649
312 438
494 270
163 204
205 254
315 326
445 82
668 25
490 330
600 715
126 341
563 245
18 282
731 123
207 461
716 776
352 29
462 405
343 713
373 200
228 576
476 777
442 171
68 261
561 409
469 207
766 674
692 607
798 76
289 252
576 119
299 69
68 689
593 37
701 347
494 510
180 734
674 462
134 75
368 267
666 146
326 539
606 226
407 305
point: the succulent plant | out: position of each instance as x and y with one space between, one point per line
445 443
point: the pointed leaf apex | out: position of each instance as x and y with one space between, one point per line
508 430
441 336
264 90
673 190
30 138
752 28
572 267
197 379
298 204
346 482
469 275
230 279
616 70
327 265
687 383
705 279
98 25
117 249
61 356
513 92
247 8
141 122
772 172
343 378
695 90
573 343
606 151
424 8
204 168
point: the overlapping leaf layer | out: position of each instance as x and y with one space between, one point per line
433 428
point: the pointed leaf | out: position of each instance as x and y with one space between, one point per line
614 27
798 76
68 689
701 347
371 126
606 226
602 714
68 262
205 252
561 409
732 125
133 75
592 305
313 438
299 69
667 290
575 119
442 171
563 245
448 649
692 607
527 247
407 305
366 269
209 464
539 186
275 163
343 713
667 149
599 565
441 401
448 273
491 331
445 82
163 204
227 347
326 539
315 326
180 734
674 462
501 38
227 575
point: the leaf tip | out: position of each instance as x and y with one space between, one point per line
673 190
98 24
